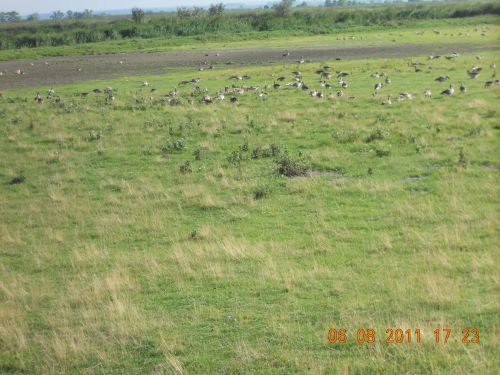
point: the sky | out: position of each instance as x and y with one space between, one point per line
25 7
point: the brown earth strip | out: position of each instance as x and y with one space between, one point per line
60 70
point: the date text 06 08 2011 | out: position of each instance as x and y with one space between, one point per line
400 336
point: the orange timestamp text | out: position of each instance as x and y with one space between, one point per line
403 336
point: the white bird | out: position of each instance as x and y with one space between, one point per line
428 93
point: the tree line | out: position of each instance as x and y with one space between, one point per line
201 24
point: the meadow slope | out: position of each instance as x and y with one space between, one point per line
148 235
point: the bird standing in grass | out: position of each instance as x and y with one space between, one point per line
448 91
387 101
463 89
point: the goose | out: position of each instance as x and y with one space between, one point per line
286 54
221 96
301 61
388 80
108 90
280 79
473 73
145 84
493 65
432 57
237 78
97 91
207 99
448 91
340 93
442 78
488 83
153 90
326 67
19 71
276 86
343 84
84 94
428 93
263 94
406 95
239 90
319 95
50 92
78 69
463 89
37 96
378 86
121 62
342 74
387 101
375 75
326 75
32 64
234 99
313 92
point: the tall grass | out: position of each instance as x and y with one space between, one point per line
314 21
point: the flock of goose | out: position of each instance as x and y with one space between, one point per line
326 78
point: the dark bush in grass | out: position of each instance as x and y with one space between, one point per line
17 180
173 145
291 167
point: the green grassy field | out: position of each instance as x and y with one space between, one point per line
484 29
117 256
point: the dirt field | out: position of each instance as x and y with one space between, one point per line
59 70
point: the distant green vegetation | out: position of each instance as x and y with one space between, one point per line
200 23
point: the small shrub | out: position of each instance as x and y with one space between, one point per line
381 153
462 161
377 135
345 135
173 145
94 135
244 146
185 167
260 193
17 180
197 153
291 167
235 157
475 131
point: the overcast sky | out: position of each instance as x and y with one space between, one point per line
47 6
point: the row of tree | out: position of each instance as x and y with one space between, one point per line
9 17
56 15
